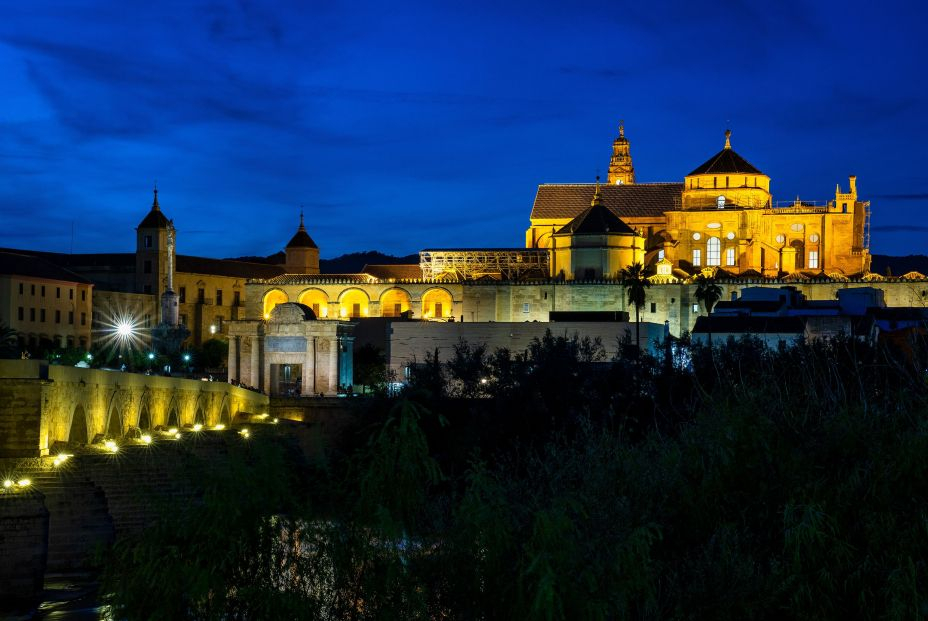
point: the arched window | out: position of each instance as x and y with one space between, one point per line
697 257
713 251
729 256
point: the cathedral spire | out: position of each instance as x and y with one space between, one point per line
728 139
302 228
154 205
621 170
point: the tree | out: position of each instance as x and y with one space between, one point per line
708 292
635 284
9 347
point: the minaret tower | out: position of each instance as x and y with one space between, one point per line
621 170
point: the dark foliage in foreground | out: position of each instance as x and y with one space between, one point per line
556 485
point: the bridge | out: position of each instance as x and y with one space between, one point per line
42 404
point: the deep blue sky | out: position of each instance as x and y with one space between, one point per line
404 126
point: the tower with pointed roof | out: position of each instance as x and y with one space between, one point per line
302 252
154 255
621 169
726 181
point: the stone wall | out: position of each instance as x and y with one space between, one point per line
23 545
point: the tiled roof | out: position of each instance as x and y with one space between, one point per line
155 220
596 220
724 162
398 272
310 279
301 239
224 267
32 266
560 201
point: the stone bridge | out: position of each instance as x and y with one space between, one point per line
41 404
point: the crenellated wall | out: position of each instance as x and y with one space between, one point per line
41 404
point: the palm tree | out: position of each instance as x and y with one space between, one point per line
708 292
9 344
635 283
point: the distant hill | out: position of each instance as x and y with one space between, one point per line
345 264
899 265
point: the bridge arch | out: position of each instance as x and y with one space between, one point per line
225 413
201 411
173 419
77 432
143 420
114 424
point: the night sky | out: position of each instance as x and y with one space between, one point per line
406 126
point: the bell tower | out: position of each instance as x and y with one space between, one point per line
621 170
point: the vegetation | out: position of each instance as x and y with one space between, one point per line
741 484
708 292
636 285
9 344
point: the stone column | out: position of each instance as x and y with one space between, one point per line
233 361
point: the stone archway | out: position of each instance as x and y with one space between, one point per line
225 415
144 418
113 421
77 435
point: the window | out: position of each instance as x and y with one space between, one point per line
146 267
43 291
83 319
71 317
57 316
31 314
653 307
218 297
42 315
70 294
218 323
695 308
813 259
83 296
697 256
236 298
715 182
660 255
729 256
525 308
201 295
843 207
31 289
182 295
20 313
20 288
148 241
720 202
183 320
58 292
713 251
147 321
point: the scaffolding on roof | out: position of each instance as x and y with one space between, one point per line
474 264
